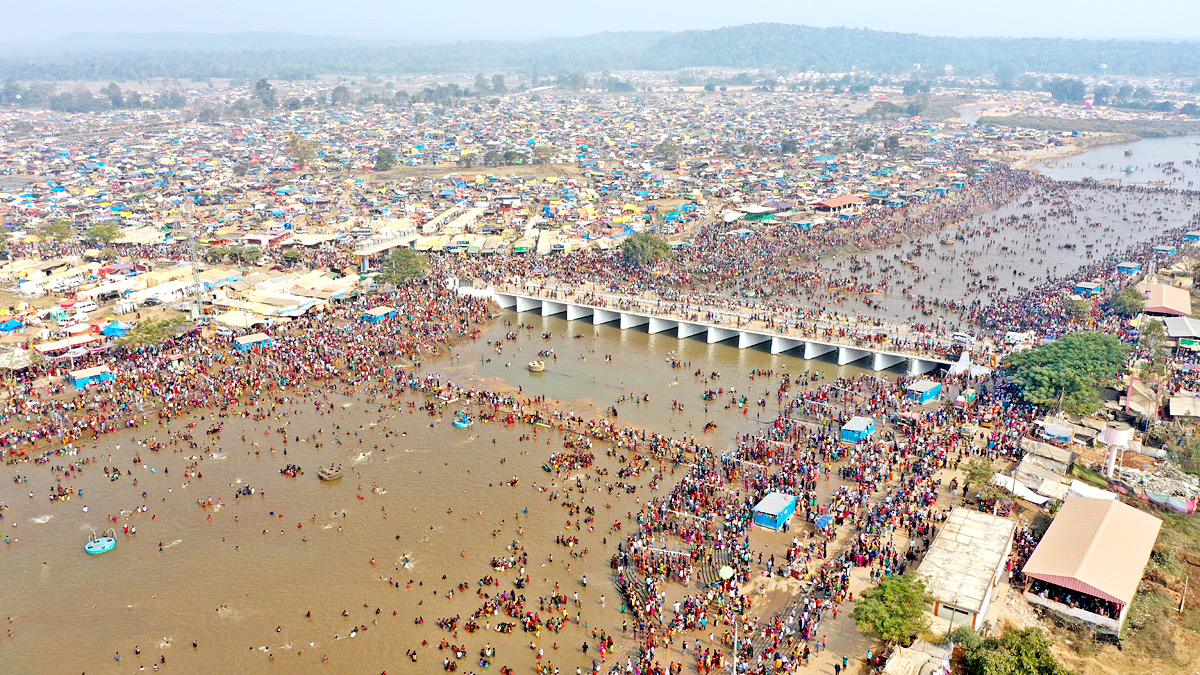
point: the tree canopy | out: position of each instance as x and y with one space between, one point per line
58 230
401 265
644 248
102 233
150 332
1068 370
385 159
895 609
1016 652
1127 302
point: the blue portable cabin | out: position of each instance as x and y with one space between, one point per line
1087 288
82 379
1192 235
774 510
858 429
923 391
379 314
1164 250
1129 267
248 342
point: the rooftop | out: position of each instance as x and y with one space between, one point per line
1096 546
962 562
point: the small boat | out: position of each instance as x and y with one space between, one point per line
106 542
331 474
537 366
948 241
463 421
1129 153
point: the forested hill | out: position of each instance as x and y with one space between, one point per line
775 46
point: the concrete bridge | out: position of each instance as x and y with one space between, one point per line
776 342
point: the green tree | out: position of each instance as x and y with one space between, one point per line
1153 342
150 332
1066 373
102 233
58 229
385 159
1016 652
251 254
401 265
1077 308
302 149
341 95
264 91
291 256
788 146
216 254
644 248
498 84
865 144
895 609
1127 302
115 97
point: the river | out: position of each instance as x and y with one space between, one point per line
242 588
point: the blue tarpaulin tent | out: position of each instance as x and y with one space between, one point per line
11 325
774 510
116 329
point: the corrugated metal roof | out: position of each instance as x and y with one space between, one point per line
1096 546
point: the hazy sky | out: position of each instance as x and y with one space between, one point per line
468 19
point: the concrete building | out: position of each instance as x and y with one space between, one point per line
964 564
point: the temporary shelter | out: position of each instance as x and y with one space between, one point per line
1095 549
923 391
858 429
87 377
378 314
1166 300
248 342
774 510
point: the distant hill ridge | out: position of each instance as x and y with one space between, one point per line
761 45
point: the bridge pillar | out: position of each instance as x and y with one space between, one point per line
550 308
884 361
600 316
630 320
506 300
658 325
749 339
686 329
578 312
525 304
814 349
716 334
920 366
782 344
850 355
